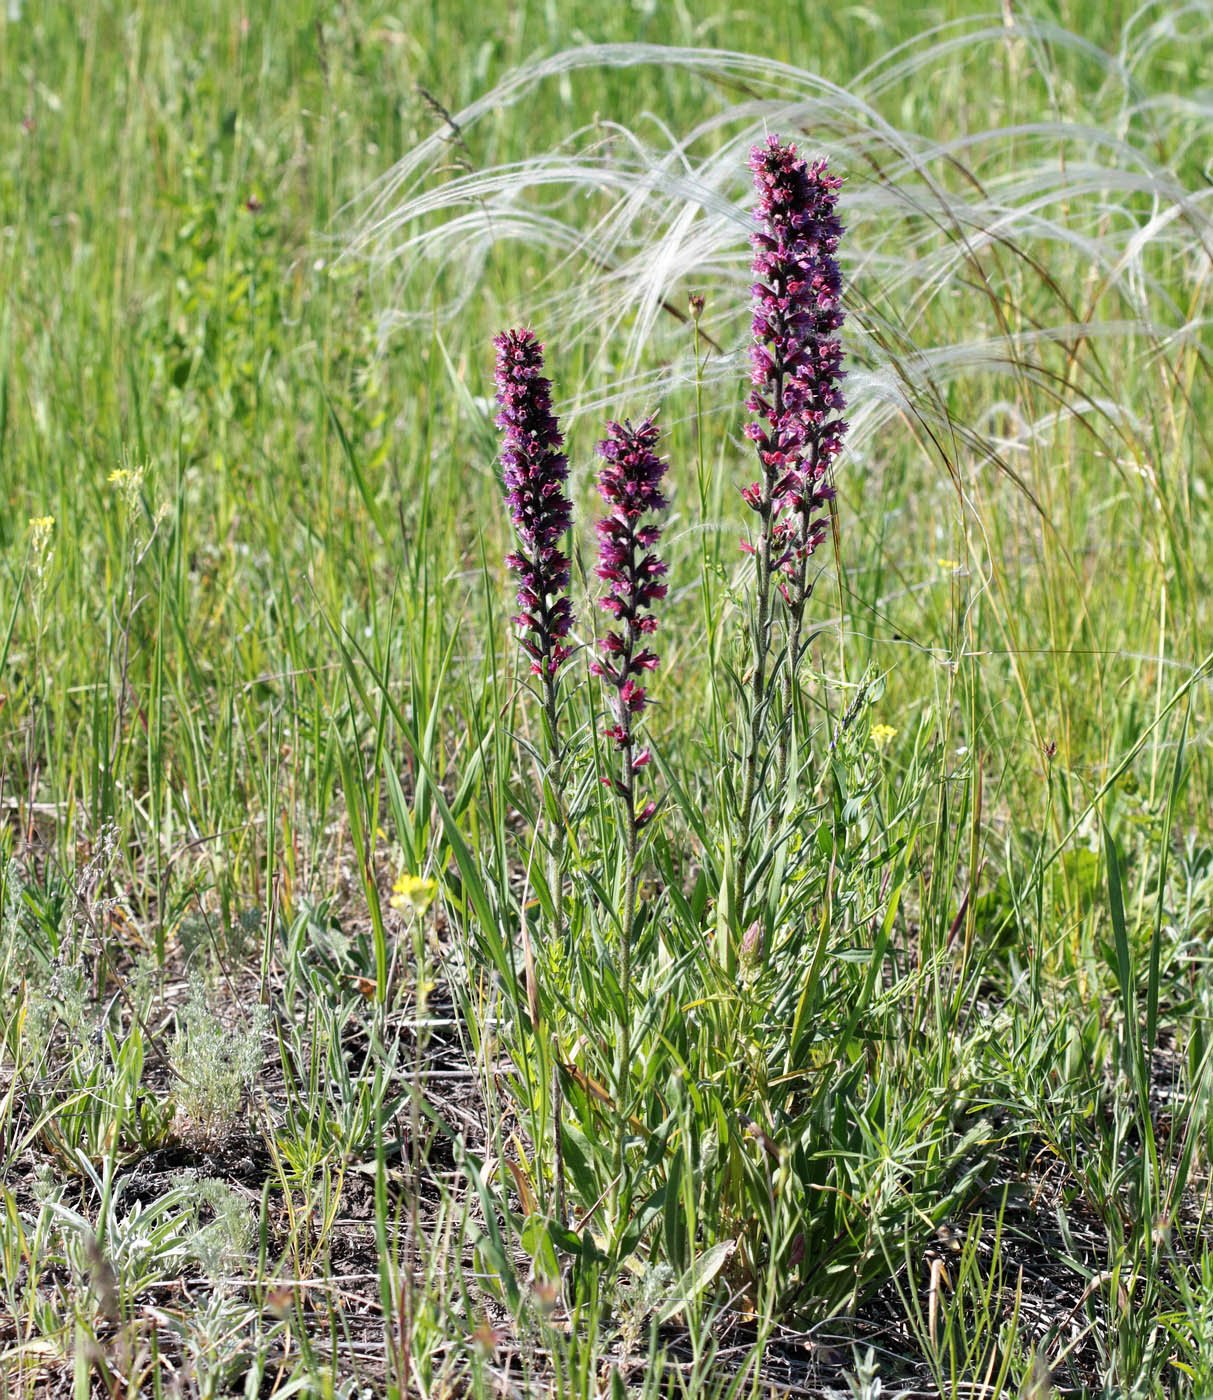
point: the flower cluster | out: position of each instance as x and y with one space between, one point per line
413 892
796 356
41 546
534 470
630 483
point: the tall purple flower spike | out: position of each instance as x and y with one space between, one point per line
796 355
630 483
534 472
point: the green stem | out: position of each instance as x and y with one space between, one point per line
625 788
790 676
627 928
799 592
556 853
762 646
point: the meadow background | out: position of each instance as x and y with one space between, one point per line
264 1131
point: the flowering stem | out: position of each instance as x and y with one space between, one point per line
534 472
630 484
790 675
795 372
627 929
796 596
625 791
761 647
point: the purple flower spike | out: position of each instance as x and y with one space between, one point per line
534 470
630 483
796 356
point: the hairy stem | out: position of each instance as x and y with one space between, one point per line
628 924
626 791
556 855
761 648
790 677
798 596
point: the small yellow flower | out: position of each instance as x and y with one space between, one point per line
41 543
949 565
413 892
128 482
881 735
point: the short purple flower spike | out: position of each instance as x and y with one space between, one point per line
630 483
796 355
534 470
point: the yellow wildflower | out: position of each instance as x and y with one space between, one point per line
949 565
41 544
413 892
128 481
881 735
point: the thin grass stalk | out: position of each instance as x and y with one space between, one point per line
707 551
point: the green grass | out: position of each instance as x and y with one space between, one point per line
263 1132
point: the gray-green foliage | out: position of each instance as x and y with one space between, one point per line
224 1226
214 1062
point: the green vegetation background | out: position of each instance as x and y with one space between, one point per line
243 460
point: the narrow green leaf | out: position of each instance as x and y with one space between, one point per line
694 1281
